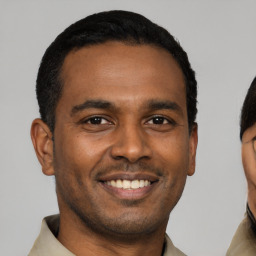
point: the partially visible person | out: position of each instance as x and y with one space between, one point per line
244 241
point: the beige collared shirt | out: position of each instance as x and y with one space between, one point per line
47 244
244 240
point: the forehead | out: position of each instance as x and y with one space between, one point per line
114 70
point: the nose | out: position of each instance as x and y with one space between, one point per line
131 144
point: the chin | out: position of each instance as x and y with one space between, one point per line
129 224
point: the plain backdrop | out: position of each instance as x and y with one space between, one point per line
220 39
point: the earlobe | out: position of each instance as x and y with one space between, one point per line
42 140
193 139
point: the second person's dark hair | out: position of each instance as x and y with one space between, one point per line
248 113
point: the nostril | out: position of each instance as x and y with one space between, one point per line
118 157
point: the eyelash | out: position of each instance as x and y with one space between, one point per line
164 119
100 119
86 121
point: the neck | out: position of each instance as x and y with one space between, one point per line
81 240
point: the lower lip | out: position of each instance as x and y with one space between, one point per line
129 194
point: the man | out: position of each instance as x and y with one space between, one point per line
117 99
244 241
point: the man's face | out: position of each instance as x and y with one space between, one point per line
122 149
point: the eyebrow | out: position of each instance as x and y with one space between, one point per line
99 104
159 104
151 105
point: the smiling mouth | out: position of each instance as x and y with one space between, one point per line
128 184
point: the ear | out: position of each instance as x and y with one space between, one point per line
42 140
193 139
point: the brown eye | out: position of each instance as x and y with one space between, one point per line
96 120
158 120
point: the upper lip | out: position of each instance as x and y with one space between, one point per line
128 176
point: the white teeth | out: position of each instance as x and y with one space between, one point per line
128 184
119 184
142 183
135 184
113 183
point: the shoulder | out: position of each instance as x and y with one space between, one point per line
170 249
244 240
46 243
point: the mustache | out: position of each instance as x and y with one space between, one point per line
128 167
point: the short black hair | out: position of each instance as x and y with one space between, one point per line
248 113
122 26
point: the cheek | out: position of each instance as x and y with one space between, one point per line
78 152
174 151
74 159
174 157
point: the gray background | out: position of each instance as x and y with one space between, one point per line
220 39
